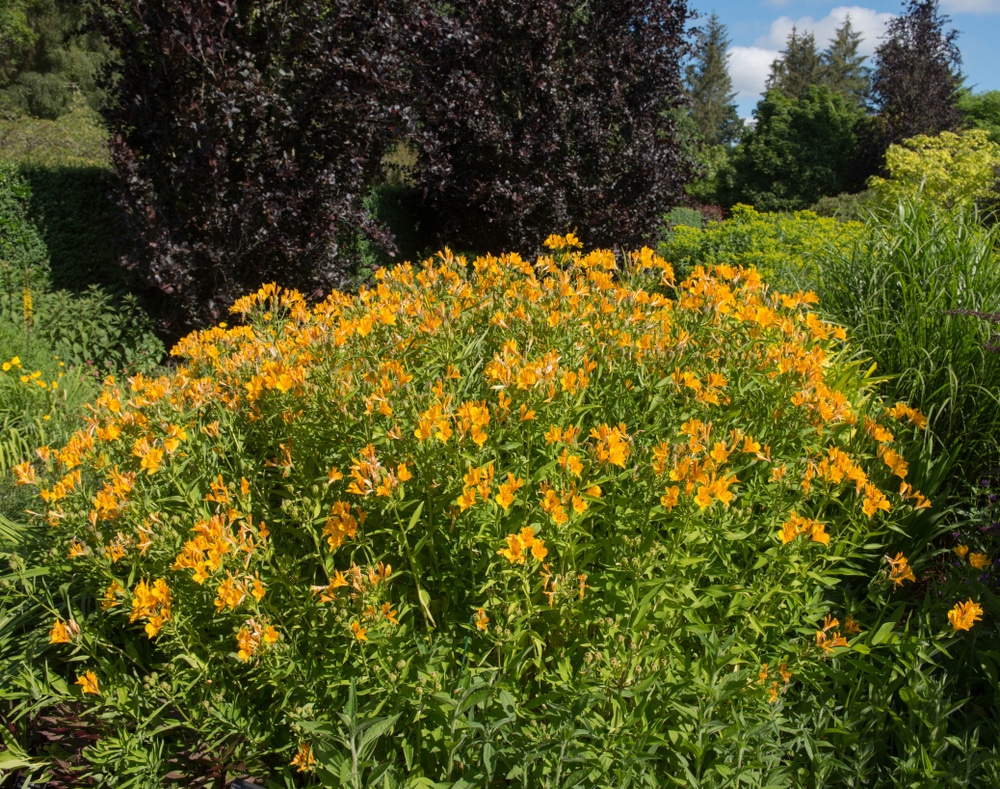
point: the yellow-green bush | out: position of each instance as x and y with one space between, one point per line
488 521
948 170
784 248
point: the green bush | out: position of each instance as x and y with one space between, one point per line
785 248
23 258
491 524
909 290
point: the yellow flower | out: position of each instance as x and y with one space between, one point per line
88 681
59 633
359 631
979 560
964 615
482 621
961 550
304 759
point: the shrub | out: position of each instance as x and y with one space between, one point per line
949 169
786 249
908 290
543 523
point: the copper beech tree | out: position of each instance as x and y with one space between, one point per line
247 135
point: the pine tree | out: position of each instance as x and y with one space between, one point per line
798 68
843 69
710 88
917 78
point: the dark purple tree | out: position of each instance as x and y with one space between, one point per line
915 86
546 116
246 136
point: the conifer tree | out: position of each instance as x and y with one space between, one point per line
915 87
710 88
798 68
843 69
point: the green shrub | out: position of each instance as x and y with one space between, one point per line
905 290
846 207
23 258
486 524
687 217
785 248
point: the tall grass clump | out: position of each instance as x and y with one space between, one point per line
912 292
488 523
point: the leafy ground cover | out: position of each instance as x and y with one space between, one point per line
494 522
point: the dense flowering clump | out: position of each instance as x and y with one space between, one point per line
569 449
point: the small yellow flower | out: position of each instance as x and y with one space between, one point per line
482 621
979 560
964 615
961 550
88 681
59 633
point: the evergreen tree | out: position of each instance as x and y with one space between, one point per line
915 87
843 69
798 68
710 88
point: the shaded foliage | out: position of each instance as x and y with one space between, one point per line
549 116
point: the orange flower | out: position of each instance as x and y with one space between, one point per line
964 615
304 759
900 570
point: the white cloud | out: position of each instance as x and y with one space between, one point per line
748 69
871 24
750 66
971 6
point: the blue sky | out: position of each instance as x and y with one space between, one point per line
758 30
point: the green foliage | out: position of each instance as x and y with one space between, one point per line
688 217
847 207
619 527
52 62
23 258
981 111
713 164
948 170
905 291
787 249
799 151
77 139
